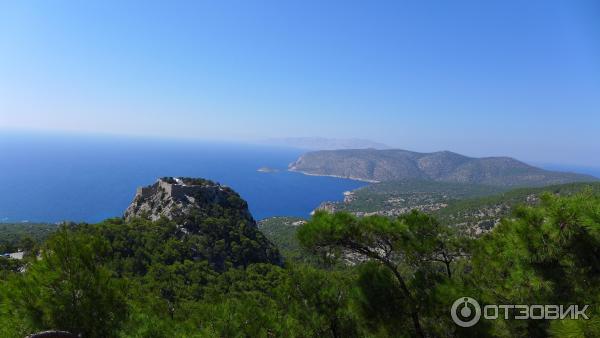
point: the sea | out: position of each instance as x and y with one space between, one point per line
82 178
592 171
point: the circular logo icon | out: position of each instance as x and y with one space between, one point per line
465 312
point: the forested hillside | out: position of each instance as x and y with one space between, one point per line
444 166
21 236
139 277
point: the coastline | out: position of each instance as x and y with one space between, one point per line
336 176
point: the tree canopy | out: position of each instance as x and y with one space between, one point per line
367 277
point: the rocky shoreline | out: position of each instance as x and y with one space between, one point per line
336 176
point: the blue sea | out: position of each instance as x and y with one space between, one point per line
51 177
593 171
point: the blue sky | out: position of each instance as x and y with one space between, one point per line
518 78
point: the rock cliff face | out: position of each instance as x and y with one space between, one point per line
212 219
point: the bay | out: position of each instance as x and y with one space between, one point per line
57 177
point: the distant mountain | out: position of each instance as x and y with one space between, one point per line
321 143
444 166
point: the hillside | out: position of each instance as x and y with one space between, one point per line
393 198
282 232
388 165
13 236
475 208
481 214
471 208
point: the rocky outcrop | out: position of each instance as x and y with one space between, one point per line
213 219
177 198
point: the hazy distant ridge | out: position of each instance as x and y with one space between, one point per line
444 166
322 143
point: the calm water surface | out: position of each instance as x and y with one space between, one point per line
80 178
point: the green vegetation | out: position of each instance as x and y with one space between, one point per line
471 207
15 236
416 267
408 257
395 197
72 288
484 212
136 279
545 255
142 278
281 231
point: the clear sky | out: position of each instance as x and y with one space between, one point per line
518 78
